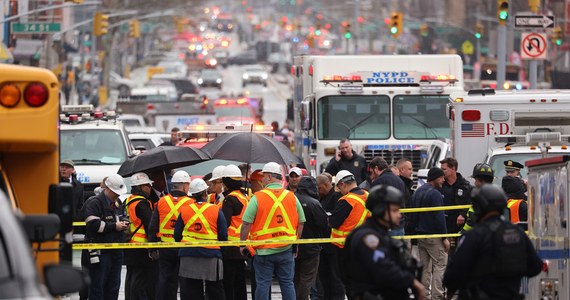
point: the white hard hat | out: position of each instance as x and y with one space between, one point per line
232 171
116 184
140 179
343 175
197 186
181 177
218 173
272 167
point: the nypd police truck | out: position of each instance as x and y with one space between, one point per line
392 106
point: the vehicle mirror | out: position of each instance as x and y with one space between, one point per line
41 228
60 202
140 148
305 115
64 279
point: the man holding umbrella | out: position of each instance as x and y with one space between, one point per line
162 226
273 213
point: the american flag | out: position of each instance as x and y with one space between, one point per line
473 130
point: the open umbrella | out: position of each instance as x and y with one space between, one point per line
162 158
250 147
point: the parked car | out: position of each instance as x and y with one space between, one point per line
147 141
210 77
254 74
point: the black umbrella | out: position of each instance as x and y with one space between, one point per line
250 147
162 158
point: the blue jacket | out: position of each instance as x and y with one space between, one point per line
429 222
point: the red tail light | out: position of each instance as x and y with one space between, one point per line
36 94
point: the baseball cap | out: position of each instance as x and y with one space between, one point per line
116 184
296 170
68 162
181 177
256 175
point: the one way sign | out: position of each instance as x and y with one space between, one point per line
534 21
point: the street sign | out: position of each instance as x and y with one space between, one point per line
533 46
534 22
467 48
28 28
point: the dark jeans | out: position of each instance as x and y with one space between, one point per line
140 283
283 265
193 289
234 279
305 275
329 274
168 264
106 276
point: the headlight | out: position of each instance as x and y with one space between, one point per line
245 76
219 80
264 76
200 80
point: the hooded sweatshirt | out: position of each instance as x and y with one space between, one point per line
316 224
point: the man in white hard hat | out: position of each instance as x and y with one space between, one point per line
201 221
103 226
217 186
162 226
142 271
273 213
349 212
233 207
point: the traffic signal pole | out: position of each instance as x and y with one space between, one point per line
503 16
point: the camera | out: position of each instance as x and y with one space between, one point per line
94 256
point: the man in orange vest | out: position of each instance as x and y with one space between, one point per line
514 189
273 213
142 271
162 227
349 212
233 207
201 221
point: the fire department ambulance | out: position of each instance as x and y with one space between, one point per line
548 192
392 106
495 126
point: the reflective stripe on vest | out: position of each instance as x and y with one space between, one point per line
513 206
262 227
140 235
168 219
354 219
200 221
236 221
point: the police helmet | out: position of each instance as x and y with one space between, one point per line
482 169
380 196
488 198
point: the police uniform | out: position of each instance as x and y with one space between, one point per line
491 259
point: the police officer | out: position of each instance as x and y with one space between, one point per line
491 259
513 169
380 267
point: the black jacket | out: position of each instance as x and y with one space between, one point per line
316 224
231 207
389 178
356 165
477 248
378 264
143 209
101 218
457 194
328 202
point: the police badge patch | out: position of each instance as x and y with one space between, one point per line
459 192
356 164
371 241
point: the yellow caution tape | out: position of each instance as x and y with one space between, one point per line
403 210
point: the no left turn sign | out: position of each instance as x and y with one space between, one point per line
533 46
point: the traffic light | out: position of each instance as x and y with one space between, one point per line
396 24
318 29
347 33
479 30
134 29
424 30
503 11
100 24
557 36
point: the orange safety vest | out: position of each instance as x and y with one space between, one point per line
276 218
168 211
236 222
139 235
514 205
357 215
200 222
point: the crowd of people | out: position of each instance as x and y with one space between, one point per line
354 201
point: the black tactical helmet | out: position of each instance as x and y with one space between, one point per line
381 195
488 198
482 169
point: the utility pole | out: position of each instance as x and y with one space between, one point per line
533 64
356 25
503 15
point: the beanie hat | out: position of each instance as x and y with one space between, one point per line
513 187
434 173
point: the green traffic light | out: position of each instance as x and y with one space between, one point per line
503 15
394 29
558 42
317 32
477 35
347 35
